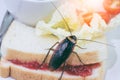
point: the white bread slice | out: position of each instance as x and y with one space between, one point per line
4 69
22 73
20 42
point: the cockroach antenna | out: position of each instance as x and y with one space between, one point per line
62 17
96 42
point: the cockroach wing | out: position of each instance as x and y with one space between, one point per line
61 53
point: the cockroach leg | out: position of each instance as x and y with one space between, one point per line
78 57
62 71
80 47
50 49
47 54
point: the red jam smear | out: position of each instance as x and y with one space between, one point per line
30 65
80 70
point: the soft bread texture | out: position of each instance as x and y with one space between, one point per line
22 73
4 69
20 42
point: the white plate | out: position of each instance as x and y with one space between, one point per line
114 37
6 78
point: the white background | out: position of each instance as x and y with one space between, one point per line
113 73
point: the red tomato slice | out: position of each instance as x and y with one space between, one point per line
112 6
88 17
106 16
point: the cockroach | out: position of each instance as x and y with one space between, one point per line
63 50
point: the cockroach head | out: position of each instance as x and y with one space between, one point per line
72 38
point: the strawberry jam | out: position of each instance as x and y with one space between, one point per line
80 70
30 65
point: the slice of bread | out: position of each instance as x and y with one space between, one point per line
4 69
20 42
22 73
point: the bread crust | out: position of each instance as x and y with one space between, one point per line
4 71
21 73
87 58
4 68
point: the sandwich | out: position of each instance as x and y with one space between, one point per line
24 48
23 51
